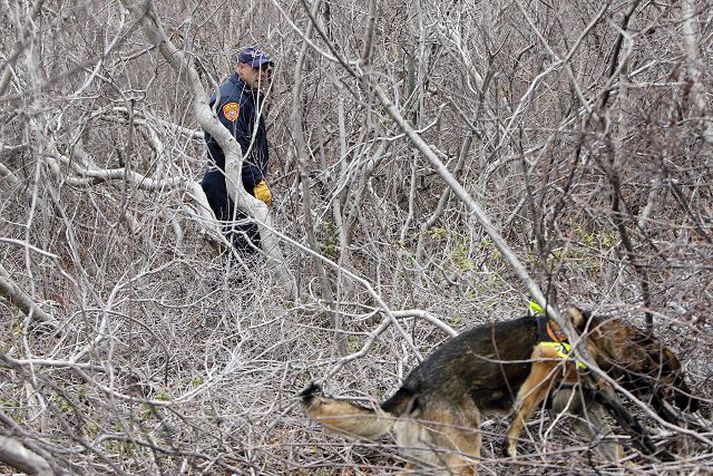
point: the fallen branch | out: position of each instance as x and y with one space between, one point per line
14 454
23 301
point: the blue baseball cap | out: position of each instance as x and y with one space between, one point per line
254 57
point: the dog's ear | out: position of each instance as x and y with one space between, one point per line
579 316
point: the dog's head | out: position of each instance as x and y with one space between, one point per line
643 361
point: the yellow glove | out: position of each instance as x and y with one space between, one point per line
262 193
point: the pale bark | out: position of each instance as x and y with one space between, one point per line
472 205
301 150
385 324
24 35
694 67
7 177
13 293
15 454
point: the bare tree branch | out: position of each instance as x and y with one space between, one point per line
22 301
13 453
693 66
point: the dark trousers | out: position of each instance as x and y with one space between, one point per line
244 235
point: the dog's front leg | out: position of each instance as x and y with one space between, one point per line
532 393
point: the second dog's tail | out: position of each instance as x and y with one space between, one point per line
344 417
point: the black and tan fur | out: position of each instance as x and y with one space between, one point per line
639 363
435 415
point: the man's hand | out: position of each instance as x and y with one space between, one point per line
262 193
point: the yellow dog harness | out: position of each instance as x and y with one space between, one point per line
552 336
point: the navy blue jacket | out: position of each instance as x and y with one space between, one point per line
238 109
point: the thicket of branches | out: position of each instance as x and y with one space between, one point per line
131 343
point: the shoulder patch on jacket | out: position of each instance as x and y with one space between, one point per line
231 111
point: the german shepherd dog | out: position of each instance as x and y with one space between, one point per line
435 415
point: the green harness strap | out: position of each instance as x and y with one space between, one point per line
564 350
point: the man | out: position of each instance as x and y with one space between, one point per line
238 105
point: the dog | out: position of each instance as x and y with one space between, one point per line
639 362
435 414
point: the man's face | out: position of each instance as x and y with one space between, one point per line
255 78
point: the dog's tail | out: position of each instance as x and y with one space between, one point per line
344 417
